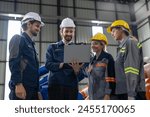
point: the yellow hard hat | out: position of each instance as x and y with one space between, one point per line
100 37
118 23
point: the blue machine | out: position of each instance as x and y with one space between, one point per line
43 82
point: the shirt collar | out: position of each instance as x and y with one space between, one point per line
28 38
60 43
66 43
100 57
123 42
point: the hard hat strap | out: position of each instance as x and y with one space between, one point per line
125 29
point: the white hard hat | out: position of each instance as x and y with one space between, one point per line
31 16
147 59
67 22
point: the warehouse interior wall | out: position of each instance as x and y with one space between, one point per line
83 12
142 13
3 45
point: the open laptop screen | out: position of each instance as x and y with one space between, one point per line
80 53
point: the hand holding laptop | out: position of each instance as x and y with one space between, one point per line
76 66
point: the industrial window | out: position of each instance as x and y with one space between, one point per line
96 29
14 27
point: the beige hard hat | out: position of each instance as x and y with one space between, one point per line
30 17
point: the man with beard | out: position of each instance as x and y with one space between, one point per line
63 83
23 62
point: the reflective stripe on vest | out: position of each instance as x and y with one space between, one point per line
132 70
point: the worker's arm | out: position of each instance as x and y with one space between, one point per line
15 49
133 67
110 77
50 63
15 59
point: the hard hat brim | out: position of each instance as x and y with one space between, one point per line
109 29
42 24
24 22
93 39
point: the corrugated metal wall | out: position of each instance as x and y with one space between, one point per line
3 46
143 27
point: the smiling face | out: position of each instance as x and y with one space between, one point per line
97 46
67 33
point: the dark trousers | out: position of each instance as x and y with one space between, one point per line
122 96
59 92
139 96
113 97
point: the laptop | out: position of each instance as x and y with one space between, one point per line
79 53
